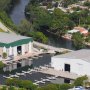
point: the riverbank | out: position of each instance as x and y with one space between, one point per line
4 28
48 47
17 14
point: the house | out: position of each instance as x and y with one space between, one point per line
82 30
79 29
77 62
13 46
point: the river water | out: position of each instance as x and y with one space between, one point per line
17 14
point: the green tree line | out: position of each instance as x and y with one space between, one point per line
58 22
17 84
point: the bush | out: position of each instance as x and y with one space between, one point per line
39 36
65 86
4 4
4 88
1 65
21 83
7 21
11 88
4 55
78 40
80 81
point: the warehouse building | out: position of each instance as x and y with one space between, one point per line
75 62
13 46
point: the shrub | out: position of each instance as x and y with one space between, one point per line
1 64
80 81
4 55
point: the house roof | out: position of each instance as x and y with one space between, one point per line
81 30
83 54
10 39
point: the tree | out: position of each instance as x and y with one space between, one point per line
1 65
87 3
7 21
11 88
34 2
39 36
80 81
49 5
48 87
24 27
78 40
9 82
56 87
21 83
4 88
4 4
65 3
21 89
79 17
57 22
65 86
87 39
60 22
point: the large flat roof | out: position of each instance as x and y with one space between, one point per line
83 54
11 39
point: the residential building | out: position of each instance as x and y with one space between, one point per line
14 46
77 62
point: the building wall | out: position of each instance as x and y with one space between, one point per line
4 49
26 48
13 50
10 51
30 47
23 49
1 50
77 66
13 65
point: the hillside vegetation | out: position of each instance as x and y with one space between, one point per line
4 4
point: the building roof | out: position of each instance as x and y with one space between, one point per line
11 39
81 30
73 31
83 54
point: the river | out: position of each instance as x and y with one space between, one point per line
17 14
